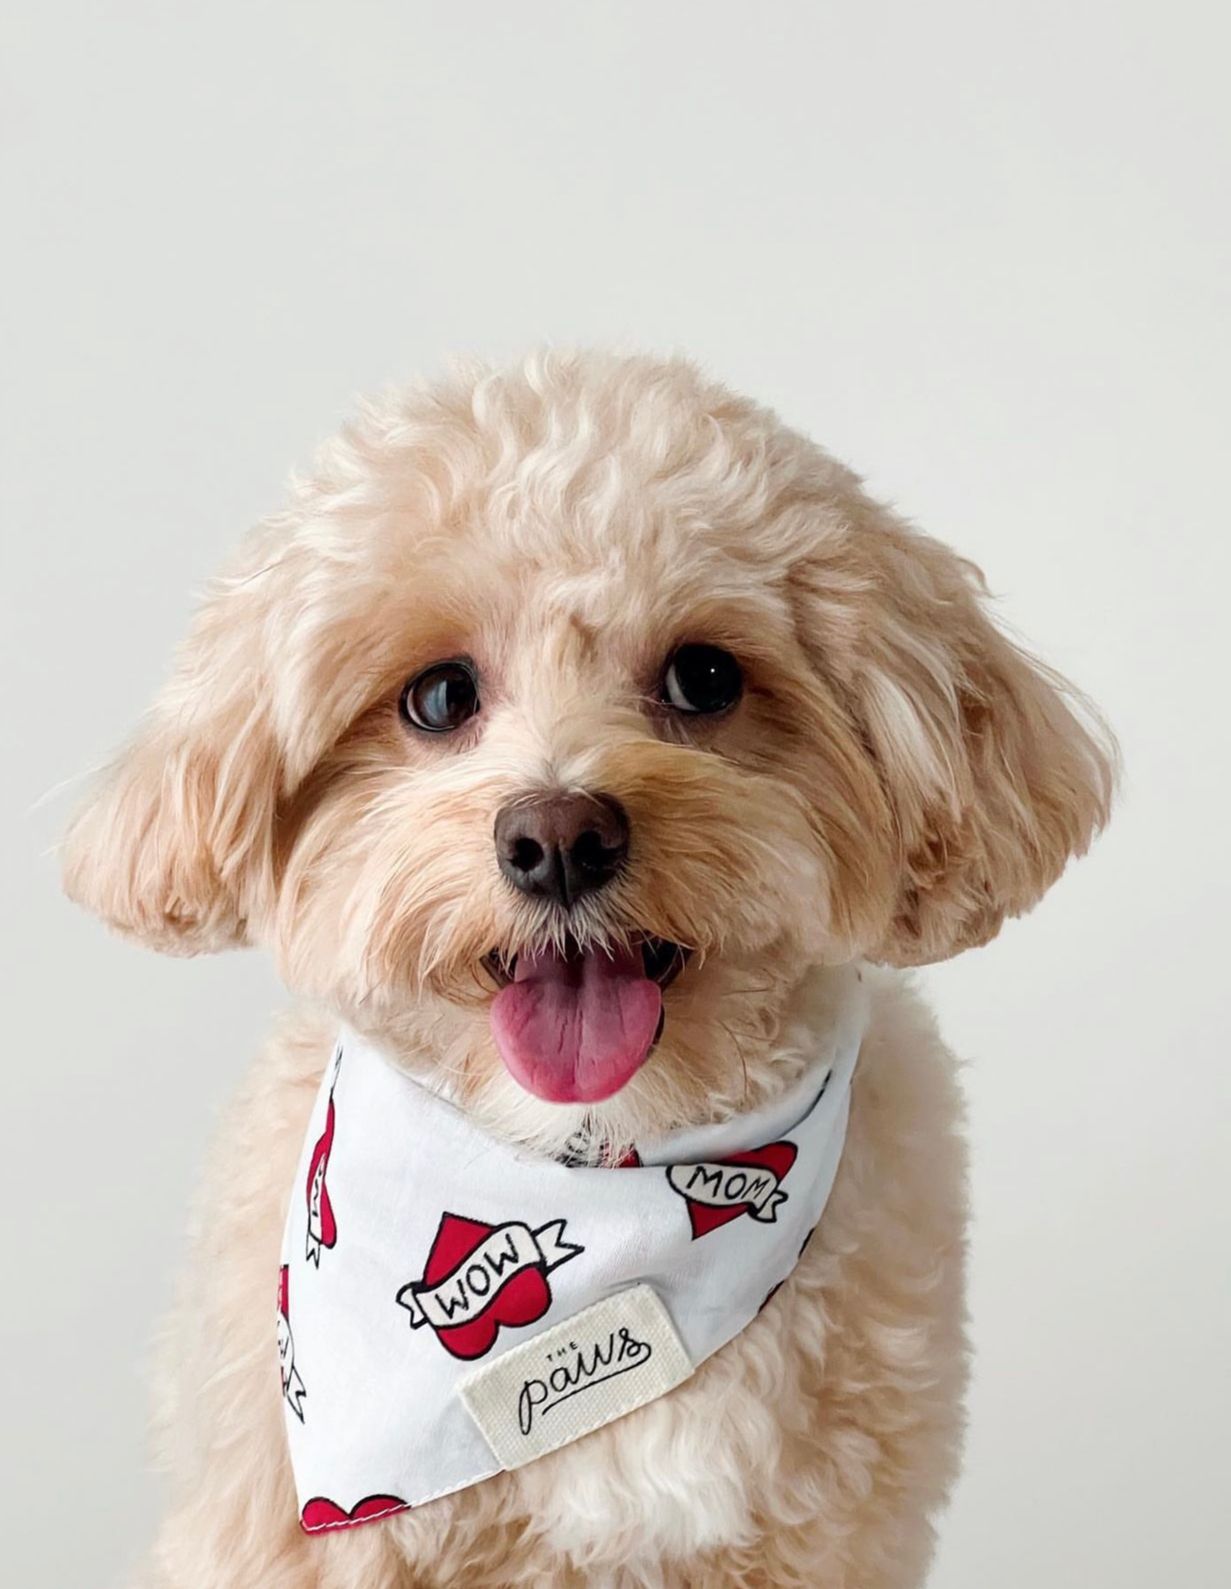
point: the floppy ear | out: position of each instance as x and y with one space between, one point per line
995 768
182 838
173 845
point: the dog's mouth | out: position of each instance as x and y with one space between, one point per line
574 1025
661 960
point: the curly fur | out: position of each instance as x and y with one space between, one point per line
898 778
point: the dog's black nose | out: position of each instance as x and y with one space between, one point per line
560 846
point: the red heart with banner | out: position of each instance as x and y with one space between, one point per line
320 1514
322 1227
293 1387
743 1183
480 1276
521 1300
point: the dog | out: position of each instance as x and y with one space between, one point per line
589 686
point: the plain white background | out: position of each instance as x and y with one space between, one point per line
981 252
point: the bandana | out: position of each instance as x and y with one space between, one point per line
451 1306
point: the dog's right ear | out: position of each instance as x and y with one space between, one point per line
179 842
173 845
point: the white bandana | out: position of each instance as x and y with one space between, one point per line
450 1306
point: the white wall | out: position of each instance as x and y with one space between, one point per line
981 251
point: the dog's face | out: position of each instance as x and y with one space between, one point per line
564 720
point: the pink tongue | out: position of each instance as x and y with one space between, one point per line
575 1029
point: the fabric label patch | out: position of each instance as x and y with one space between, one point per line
604 1362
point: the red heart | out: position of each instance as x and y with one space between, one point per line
776 1156
521 1300
320 1514
329 1228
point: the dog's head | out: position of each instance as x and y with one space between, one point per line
565 718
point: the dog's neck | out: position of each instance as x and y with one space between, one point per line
664 1097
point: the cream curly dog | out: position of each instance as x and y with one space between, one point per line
591 680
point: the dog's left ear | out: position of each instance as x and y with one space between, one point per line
996 771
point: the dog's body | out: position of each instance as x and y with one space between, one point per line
593 545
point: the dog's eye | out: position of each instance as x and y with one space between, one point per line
701 679
441 698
